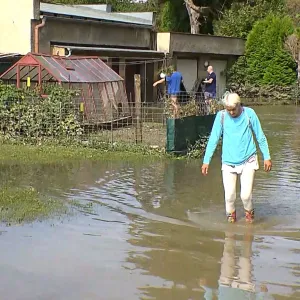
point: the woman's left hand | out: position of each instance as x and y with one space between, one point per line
268 165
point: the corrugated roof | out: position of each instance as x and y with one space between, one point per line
141 15
102 7
72 69
96 14
5 55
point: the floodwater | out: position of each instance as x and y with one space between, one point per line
157 230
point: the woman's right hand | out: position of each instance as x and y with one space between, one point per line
204 169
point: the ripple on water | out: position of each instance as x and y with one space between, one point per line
158 231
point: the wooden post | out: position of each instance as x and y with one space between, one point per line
298 61
138 107
299 64
18 77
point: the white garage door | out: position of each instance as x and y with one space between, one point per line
188 69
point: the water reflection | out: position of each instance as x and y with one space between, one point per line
243 265
158 230
235 279
189 266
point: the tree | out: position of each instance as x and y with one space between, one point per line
293 10
268 62
117 5
292 44
240 19
70 2
202 13
195 14
172 17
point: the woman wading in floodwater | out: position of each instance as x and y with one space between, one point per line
237 124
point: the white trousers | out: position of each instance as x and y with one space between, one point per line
230 174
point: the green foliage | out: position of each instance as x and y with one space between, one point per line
240 19
297 31
68 2
171 14
27 118
24 113
267 94
168 17
173 17
117 5
281 70
19 205
293 10
267 60
197 150
128 5
236 74
191 107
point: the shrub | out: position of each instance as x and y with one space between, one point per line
24 113
267 60
173 17
240 19
269 94
236 74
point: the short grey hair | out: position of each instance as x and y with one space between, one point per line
231 99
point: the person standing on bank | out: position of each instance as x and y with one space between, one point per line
211 85
238 125
173 79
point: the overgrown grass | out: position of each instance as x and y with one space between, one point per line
47 154
26 204
19 205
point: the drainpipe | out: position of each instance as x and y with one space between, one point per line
36 34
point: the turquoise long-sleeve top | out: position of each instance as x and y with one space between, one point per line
238 142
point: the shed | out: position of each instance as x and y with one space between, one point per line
102 90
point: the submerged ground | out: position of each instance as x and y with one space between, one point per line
120 227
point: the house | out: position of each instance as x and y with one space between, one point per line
127 42
191 54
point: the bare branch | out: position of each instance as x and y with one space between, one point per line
292 44
191 4
196 14
198 9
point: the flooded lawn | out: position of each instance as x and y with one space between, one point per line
156 229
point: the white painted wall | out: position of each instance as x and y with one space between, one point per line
15 24
163 41
189 70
